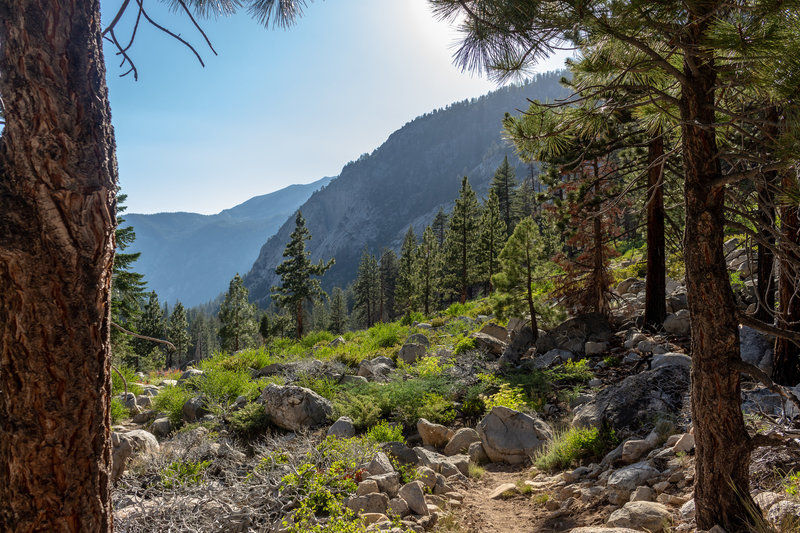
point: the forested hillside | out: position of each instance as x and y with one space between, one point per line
403 182
191 257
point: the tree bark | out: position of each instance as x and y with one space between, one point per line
655 301
786 361
722 493
57 214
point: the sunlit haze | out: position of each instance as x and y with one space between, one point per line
275 107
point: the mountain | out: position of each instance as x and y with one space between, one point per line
404 182
192 258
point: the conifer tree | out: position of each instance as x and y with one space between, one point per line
493 235
339 316
428 267
460 246
178 334
520 257
320 313
504 186
388 272
127 286
149 324
404 291
366 290
238 317
297 284
439 226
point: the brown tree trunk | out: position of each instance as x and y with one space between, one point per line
786 361
529 292
655 301
57 216
765 289
722 494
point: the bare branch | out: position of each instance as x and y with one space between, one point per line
143 337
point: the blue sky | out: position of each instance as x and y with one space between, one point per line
275 107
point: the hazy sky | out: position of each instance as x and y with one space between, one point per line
275 107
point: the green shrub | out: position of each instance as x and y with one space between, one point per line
118 410
222 387
427 367
456 309
118 387
383 431
464 345
432 406
325 387
349 453
438 322
170 401
316 337
385 335
791 484
249 422
317 488
239 362
571 372
360 406
507 396
473 404
180 473
410 318
573 445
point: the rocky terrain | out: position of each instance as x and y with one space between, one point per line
588 430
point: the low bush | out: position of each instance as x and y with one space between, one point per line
385 335
117 385
239 362
315 337
438 322
118 410
383 431
249 422
325 387
170 401
181 473
464 345
573 445
359 405
222 387
507 396
410 318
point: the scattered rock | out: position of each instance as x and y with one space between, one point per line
189 374
418 338
380 464
630 477
595 348
338 341
678 323
414 496
448 466
194 409
477 454
161 427
767 499
573 334
498 332
643 494
461 440
489 344
295 408
368 486
400 452
684 444
785 515
553 357
410 353
369 503
388 483
687 510
671 359
126 444
398 506
649 516
503 491
343 428
435 435
510 436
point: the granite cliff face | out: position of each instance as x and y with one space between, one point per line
403 182
192 258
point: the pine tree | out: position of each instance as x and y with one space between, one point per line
404 291
460 246
504 185
238 317
439 226
339 316
492 239
388 272
520 257
366 290
526 203
320 313
178 334
427 271
297 284
149 355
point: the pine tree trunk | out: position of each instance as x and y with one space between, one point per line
57 216
299 311
722 445
655 300
765 288
786 361
529 291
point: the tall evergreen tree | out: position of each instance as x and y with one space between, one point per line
504 185
238 317
460 246
127 286
439 226
492 231
388 268
150 323
320 313
427 271
520 257
366 290
404 291
297 284
339 315
178 334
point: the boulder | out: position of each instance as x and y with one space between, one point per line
477 454
552 357
785 515
510 436
648 516
435 435
368 503
573 334
400 452
595 348
635 401
343 428
410 353
295 408
388 483
487 343
380 464
678 323
442 464
685 443
600 529
128 401
418 338
461 441
630 477
398 507
414 496
125 444
755 346
338 341
521 341
161 427
189 374
498 332
194 409
625 285
671 359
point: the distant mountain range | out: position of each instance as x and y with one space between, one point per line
192 258
403 182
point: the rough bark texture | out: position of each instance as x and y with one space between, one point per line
723 452
655 301
786 362
57 212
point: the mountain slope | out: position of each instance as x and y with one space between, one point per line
403 182
191 257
